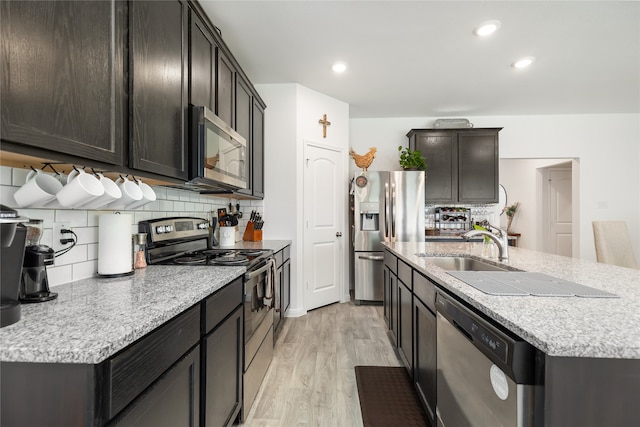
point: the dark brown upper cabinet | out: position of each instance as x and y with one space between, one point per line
202 65
257 153
226 88
244 108
158 58
462 164
63 77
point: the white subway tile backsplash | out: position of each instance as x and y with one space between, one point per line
5 175
84 270
19 176
60 275
6 195
92 251
86 235
173 194
76 217
82 261
165 205
77 254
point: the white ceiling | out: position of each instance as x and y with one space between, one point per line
421 59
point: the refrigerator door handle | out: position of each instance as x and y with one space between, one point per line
393 212
372 257
386 212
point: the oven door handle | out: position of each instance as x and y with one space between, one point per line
251 274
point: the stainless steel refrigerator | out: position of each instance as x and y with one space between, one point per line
385 207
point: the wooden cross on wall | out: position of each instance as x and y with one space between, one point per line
324 124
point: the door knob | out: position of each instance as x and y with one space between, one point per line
338 234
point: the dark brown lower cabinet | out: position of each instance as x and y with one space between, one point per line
424 368
172 401
285 284
187 372
222 350
393 292
405 333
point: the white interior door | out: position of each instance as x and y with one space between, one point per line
324 209
560 212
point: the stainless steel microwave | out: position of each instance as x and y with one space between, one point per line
218 153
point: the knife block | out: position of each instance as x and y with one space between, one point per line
251 234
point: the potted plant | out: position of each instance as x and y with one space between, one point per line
411 159
511 212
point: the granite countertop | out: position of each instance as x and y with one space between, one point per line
274 245
558 326
95 318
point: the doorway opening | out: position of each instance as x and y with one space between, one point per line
548 190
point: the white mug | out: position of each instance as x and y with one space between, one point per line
81 188
131 193
111 193
38 190
148 195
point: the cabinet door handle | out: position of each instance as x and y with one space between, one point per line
339 234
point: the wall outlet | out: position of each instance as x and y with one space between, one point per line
58 235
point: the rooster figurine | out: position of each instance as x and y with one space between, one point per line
363 161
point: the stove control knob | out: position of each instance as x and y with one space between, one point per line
168 228
202 226
160 229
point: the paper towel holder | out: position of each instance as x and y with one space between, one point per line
107 232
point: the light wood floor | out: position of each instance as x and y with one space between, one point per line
311 380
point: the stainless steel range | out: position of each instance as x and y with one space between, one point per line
187 241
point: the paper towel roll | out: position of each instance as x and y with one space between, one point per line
114 245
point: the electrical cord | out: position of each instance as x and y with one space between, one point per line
65 241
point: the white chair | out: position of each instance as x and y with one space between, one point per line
613 245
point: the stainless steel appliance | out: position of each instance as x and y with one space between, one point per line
386 207
218 154
187 241
13 235
486 376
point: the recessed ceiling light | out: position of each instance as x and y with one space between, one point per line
339 67
487 28
523 62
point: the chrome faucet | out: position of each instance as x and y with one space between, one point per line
502 240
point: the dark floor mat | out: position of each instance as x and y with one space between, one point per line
387 397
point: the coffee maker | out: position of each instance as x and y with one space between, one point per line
12 242
35 284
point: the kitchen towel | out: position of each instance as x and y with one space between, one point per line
115 245
271 283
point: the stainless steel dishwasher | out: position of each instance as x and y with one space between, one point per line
486 376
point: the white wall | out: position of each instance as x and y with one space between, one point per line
607 147
291 117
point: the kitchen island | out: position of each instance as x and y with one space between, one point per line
589 348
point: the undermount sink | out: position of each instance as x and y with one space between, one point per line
461 263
